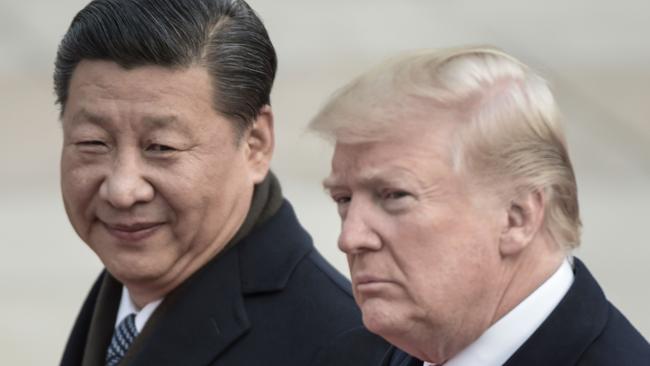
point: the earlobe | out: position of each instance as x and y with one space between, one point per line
260 142
524 221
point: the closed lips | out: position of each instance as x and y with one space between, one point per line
132 227
364 279
133 232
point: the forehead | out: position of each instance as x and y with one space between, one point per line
103 91
417 150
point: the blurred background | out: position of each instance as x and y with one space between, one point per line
595 53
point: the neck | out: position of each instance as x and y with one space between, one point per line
526 272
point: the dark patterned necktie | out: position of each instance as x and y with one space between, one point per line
123 336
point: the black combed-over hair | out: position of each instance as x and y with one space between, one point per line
224 36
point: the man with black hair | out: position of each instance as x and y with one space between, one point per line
168 136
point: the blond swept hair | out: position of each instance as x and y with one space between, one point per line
509 135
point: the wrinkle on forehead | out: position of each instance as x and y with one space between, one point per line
390 163
147 83
372 176
106 95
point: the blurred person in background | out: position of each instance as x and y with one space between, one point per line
459 213
168 137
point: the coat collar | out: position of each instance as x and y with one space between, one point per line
269 254
101 326
206 314
574 324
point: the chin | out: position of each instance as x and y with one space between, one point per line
380 318
128 270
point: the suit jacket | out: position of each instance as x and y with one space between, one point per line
271 299
584 330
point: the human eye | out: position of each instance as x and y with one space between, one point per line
396 200
395 194
92 146
160 148
341 199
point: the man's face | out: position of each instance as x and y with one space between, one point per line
153 179
422 246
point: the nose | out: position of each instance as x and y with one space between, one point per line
357 230
125 184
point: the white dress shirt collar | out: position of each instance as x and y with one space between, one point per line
499 342
127 307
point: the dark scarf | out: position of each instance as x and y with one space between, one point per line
267 199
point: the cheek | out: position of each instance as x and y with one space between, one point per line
461 268
78 187
191 193
198 199
424 280
432 256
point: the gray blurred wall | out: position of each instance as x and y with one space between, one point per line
596 54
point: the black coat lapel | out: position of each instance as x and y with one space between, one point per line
198 321
103 322
88 340
574 324
269 254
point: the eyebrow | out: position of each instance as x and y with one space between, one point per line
374 177
151 122
160 122
167 122
87 116
369 178
329 182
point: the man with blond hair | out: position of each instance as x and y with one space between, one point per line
459 213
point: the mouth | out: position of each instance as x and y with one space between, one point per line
368 283
132 232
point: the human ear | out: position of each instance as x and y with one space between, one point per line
525 217
259 143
